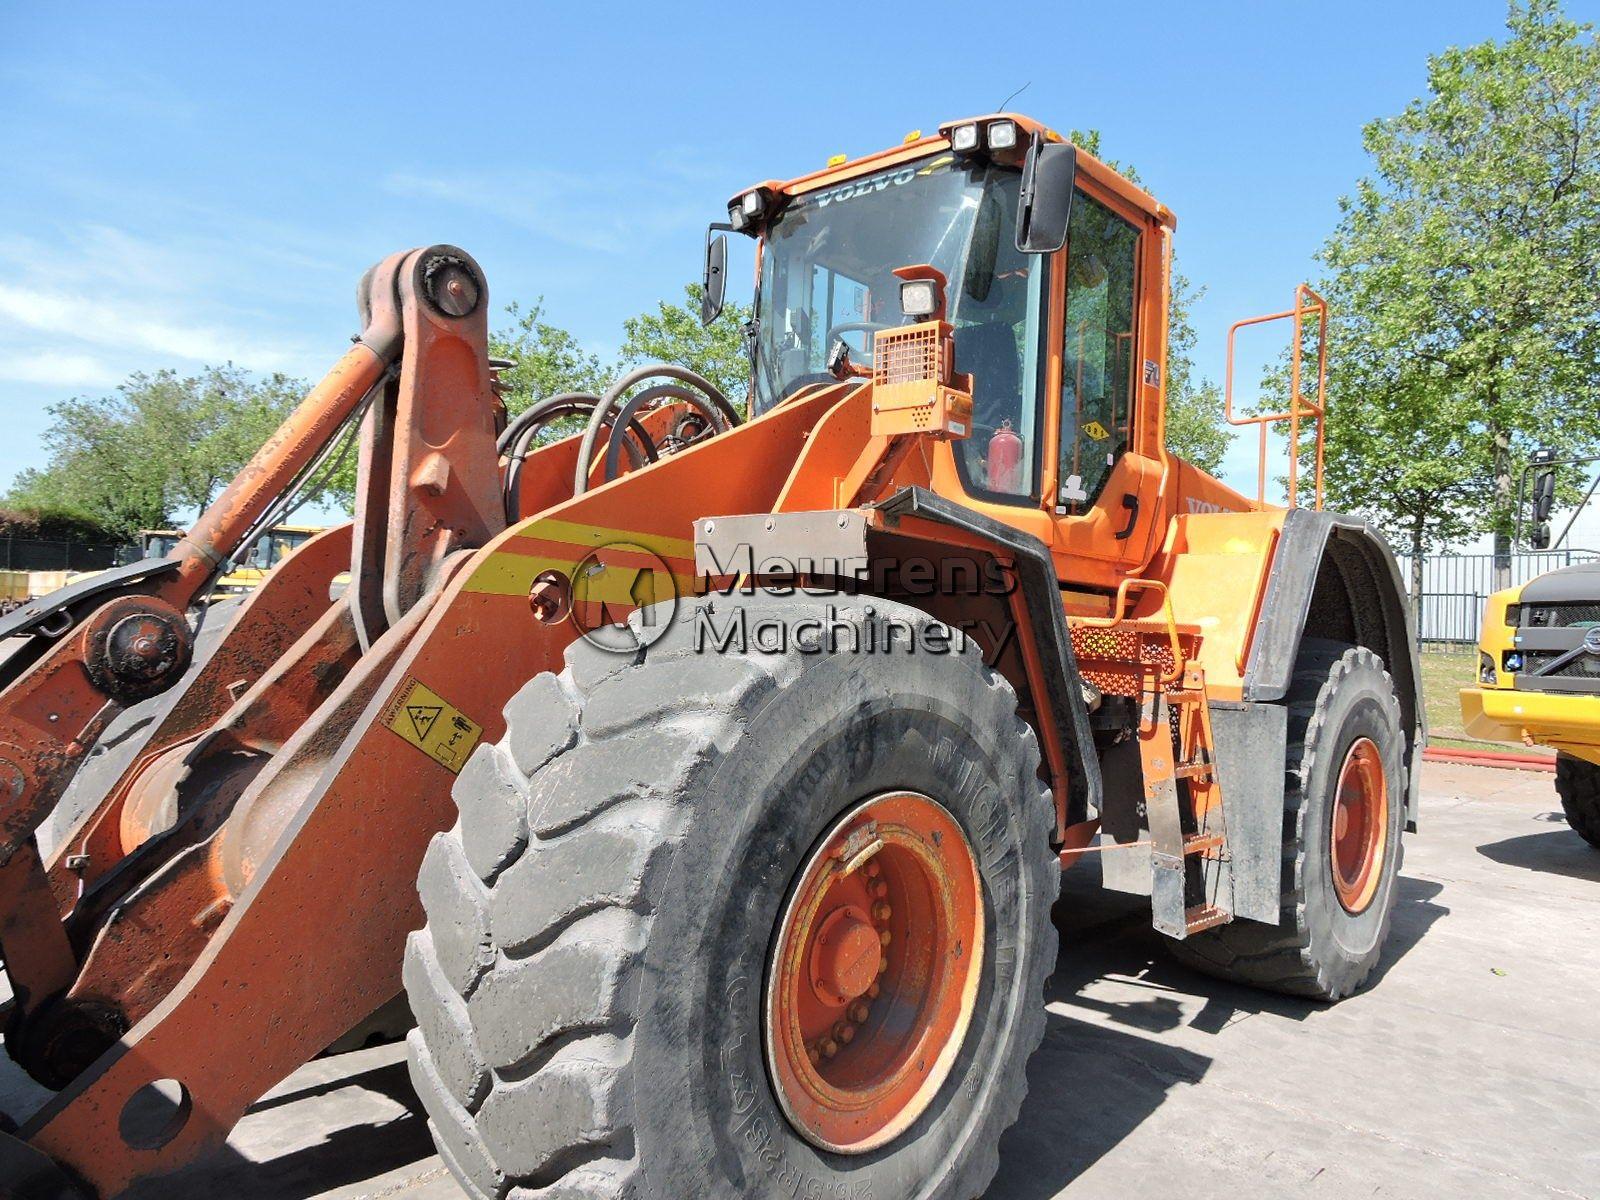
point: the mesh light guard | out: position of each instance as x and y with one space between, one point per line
914 388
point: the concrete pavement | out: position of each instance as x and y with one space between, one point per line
1471 1067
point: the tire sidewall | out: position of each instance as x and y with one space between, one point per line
1578 786
843 731
1361 705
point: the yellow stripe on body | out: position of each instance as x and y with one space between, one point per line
506 573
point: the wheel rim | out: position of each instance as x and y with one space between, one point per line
1360 832
874 973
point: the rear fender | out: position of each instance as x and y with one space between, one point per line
1334 576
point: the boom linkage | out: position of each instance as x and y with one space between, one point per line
111 929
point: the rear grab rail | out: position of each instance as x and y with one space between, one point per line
1307 304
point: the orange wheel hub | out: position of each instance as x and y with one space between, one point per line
1360 833
874 973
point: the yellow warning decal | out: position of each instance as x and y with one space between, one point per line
433 725
1096 430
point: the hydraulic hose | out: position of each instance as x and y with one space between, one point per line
709 401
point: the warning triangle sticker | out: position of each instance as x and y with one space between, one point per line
422 717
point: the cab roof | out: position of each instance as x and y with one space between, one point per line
918 145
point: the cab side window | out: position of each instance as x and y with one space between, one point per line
1098 355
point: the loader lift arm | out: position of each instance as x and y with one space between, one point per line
99 938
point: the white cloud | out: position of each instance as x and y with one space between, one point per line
57 370
126 325
93 292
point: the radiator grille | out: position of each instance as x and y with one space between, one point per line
1560 616
1584 666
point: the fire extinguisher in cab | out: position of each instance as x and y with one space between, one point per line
1005 460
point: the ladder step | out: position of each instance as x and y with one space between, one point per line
1198 917
1192 770
1203 843
1186 696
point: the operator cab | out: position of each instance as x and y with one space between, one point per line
1064 347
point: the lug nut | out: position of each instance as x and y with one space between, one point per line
883 965
880 889
882 912
874 992
829 1048
885 937
859 1013
814 1055
845 1033
872 870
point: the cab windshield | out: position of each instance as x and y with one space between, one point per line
827 274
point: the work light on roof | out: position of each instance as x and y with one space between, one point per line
964 139
1002 135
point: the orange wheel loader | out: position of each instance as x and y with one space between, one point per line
704 778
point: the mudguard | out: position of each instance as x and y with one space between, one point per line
1335 576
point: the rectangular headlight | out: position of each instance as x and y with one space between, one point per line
964 139
1002 135
919 297
751 204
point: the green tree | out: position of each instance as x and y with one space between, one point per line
1196 430
548 359
162 444
673 334
1462 277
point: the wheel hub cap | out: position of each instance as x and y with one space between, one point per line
874 973
1360 827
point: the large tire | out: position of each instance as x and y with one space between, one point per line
589 983
1340 693
1578 785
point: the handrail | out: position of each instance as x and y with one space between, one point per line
1119 614
1306 303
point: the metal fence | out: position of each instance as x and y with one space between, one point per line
1454 587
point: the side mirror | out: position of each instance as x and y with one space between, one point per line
1544 496
1541 536
1044 206
715 291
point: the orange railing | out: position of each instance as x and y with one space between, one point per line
1306 304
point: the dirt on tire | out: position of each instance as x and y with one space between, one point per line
588 985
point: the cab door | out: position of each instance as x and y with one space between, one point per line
1106 487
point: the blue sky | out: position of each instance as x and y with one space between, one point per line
190 184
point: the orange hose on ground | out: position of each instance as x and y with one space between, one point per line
1506 759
